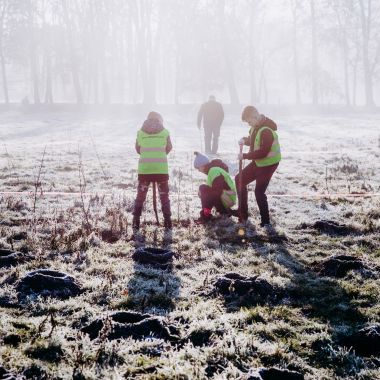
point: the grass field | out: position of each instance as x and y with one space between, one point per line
310 325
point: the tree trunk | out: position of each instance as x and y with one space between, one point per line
2 58
295 52
314 48
73 55
227 58
177 78
252 57
342 41
144 36
4 76
106 94
49 82
33 56
366 26
346 72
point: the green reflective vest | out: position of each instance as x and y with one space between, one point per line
274 155
228 197
153 157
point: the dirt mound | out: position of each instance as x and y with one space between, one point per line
18 236
10 258
110 236
274 374
5 375
35 372
156 257
365 342
201 337
339 265
125 324
331 227
48 283
12 340
8 302
257 289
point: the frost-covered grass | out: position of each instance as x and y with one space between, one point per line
72 234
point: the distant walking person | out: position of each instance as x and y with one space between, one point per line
212 115
265 153
153 145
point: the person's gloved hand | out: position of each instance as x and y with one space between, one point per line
242 141
241 156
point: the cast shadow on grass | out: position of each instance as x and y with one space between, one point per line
153 287
317 296
322 299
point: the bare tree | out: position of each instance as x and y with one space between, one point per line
369 64
148 36
227 53
73 54
3 12
314 53
33 51
295 9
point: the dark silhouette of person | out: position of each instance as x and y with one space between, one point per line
212 114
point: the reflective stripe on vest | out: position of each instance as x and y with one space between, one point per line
142 149
228 197
274 155
153 158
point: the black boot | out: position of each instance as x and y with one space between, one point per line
232 212
136 222
167 222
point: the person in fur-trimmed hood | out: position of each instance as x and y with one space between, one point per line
153 144
219 191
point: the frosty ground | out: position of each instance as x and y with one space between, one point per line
88 235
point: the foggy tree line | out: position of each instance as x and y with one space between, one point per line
179 51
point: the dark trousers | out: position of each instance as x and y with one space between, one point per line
210 199
262 176
212 133
142 190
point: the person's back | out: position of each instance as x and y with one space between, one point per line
212 115
153 145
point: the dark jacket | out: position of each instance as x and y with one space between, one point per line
219 183
153 126
212 114
266 140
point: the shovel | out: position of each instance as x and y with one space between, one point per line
154 184
240 189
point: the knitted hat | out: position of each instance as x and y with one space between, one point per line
200 160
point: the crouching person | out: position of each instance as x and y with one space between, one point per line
153 145
219 191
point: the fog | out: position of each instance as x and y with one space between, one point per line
278 52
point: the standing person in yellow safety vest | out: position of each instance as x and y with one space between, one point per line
219 191
265 153
153 144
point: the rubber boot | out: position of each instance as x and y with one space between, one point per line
136 222
167 222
